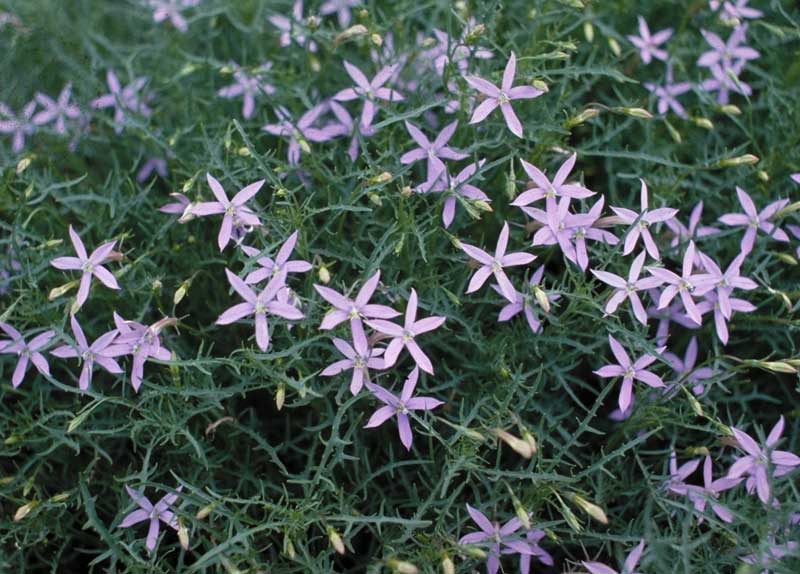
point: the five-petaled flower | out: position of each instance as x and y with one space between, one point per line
292 28
627 289
757 461
434 151
528 301
544 188
20 125
369 91
57 111
99 352
453 187
497 537
629 371
628 567
259 305
154 513
687 285
238 219
171 9
502 96
248 86
123 100
27 352
648 44
684 368
755 220
400 406
140 341
89 265
360 357
640 223
667 94
405 335
354 309
494 264
271 267
341 8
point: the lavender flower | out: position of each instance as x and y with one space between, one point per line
736 10
684 368
259 305
629 371
555 226
27 352
710 303
676 484
400 407
171 9
694 230
238 219
140 341
528 301
434 151
369 91
249 87
502 96
587 226
532 537
271 268
755 464
354 309
710 491
648 44
154 164
754 220
89 265
21 125
544 188
640 223
181 205
726 54
291 28
725 283
497 538
341 8
57 111
494 265
123 100
726 80
687 285
98 352
300 133
453 187
627 568
667 95
348 127
154 513
405 336
626 289
360 357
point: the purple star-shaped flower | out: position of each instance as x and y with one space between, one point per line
725 283
300 133
405 335
140 341
629 371
727 80
640 223
270 268
89 265
710 491
648 44
341 8
360 357
757 461
249 87
668 93
27 352
682 233
495 264
98 352
710 303
123 100
154 513
544 188
455 188
354 309
532 537
259 305
736 10
292 28
627 289
585 226
171 9
57 111
237 218
527 303
434 151
684 368
754 220
497 538
557 227
726 54
349 127
676 483
21 125
400 407
157 165
502 96
628 567
368 90
686 285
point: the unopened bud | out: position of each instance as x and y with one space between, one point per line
588 31
675 134
590 508
746 159
519 510
381 178
183 535
375 199
541 298
763 175
406 191
25 510
528 437
704 123
245 152
697 451
540 85
582 117
304 145
352 32
615 48
13 439
60 497
57 292
189 183
23 164
280 396
519 446
786 258
731 110
376 40
181 291
448 567
363 14
777 366
226 70
401 566
324 275
482 205
336 540
475 33
474 552
313 22
205 511
288 548
636 113
696 406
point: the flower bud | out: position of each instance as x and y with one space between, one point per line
786 258
288 548
183 535
519 510
304 145
731 110
590 508
674 134
60 497
376 40
401 566
475 33
521 447
541 298
528 437
375 199
695 404
324 275
540 85
23 164
313 22
776 366
746 159
57 292
245 152
615 48
189 183
381 178
588 31
704 123
25 510
352 32
636 113
180 293
482 205
697 451
448 567
474 552
280 396
336 540
584 116
205 511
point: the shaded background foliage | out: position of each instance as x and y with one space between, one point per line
281 478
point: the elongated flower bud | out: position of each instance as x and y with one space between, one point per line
590 508
401 566
183 535
25 510
519 446
448 567
205 511
746 159
336 540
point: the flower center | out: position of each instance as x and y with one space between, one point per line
407 335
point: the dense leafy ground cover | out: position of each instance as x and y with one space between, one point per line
223 390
